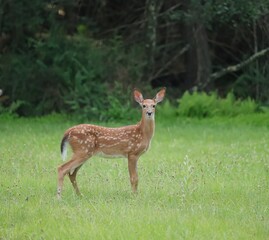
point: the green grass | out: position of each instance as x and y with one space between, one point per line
205 179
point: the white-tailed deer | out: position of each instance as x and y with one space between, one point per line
129 141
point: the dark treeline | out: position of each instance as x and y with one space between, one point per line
85 57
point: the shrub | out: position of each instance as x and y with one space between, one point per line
166 111
201 104
197 105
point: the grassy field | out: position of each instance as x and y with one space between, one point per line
200 180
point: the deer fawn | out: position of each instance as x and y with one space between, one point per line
129 141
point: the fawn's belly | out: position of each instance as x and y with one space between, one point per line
122 151
110 155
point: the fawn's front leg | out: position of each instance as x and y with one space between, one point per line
132 166
73 180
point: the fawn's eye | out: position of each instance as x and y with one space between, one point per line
144 106
153 106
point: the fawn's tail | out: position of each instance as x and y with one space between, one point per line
64 147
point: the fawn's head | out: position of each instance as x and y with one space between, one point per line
148 105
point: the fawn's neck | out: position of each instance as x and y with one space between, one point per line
147 127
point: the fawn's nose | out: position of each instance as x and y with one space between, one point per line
149 113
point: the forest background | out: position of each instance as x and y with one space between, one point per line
84 57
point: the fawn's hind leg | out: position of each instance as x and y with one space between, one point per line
71 167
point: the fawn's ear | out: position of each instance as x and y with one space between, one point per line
160 95
138 96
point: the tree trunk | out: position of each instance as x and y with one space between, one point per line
198 59
204 68
152 9
191 60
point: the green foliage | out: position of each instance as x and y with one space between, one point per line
166 111
46 70
98 90
236 12
227 12
201 104
120 108
21 20
11 109
76 76
86 61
